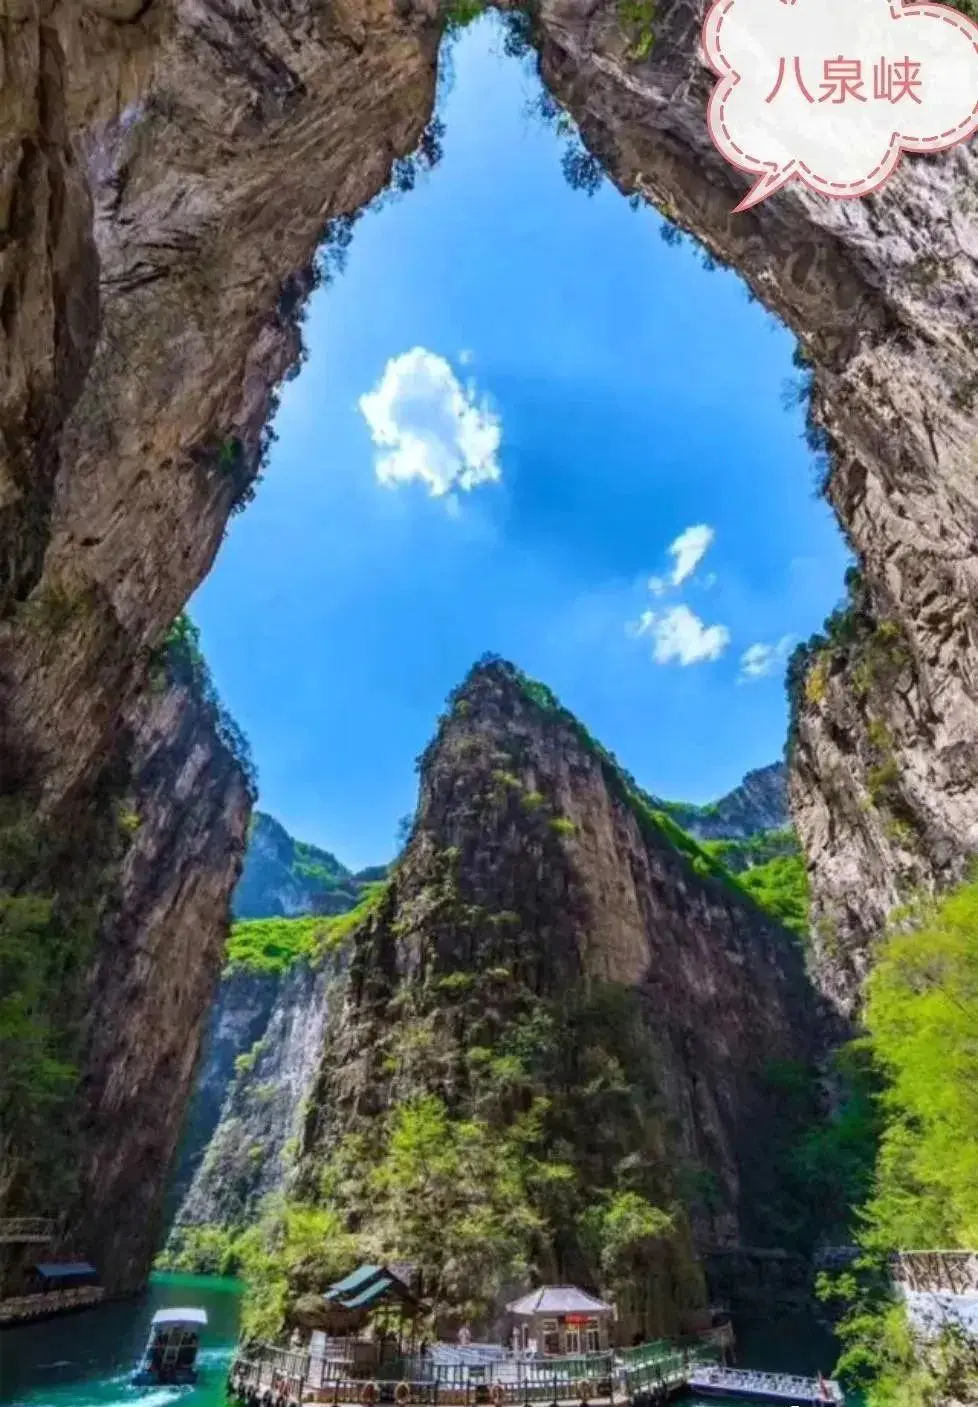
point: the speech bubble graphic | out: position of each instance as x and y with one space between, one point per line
832 92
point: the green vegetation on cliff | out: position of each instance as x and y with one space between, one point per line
49 914
921 1016
283 877
180 660
272 945
476 1171
780 887
770 867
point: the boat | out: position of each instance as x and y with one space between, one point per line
170 1355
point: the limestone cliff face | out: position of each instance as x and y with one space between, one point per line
167 169
534 882
156 967
253 1148
759 803
880 817
258 1014
238 1019
286 877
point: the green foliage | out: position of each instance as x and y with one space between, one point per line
448 1193
39 960
246 1061
626 1226
181 661
459 14
637 18
820 1159
475 1177
780 886
294 1249
740 855
201 1250
921 1016
273 945
562 825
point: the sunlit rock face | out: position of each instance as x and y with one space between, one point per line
532 892
167 169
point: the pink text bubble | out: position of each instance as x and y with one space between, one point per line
831 92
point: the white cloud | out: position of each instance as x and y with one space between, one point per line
688 550
465 357
658 586
427 427
758 661
680 635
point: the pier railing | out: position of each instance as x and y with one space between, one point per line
775 1387
295 1375
296 1379
27 1229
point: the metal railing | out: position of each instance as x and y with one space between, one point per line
787 1386
25 1229
249 1381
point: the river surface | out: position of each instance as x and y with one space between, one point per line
85 1360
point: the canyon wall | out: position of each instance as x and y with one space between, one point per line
167 171
546 937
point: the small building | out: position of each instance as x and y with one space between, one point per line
561 1320
362 1319
51 1276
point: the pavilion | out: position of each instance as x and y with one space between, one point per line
561 1319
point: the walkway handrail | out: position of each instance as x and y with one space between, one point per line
27 1228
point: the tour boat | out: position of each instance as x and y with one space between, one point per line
171 1350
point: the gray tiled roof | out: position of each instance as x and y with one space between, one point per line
558 1299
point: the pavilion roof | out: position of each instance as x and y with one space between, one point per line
559 1299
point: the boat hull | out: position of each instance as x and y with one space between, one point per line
755 1395
146 1378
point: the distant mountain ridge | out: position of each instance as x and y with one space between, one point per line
759 803
288 878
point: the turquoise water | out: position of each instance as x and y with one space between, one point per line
85 1360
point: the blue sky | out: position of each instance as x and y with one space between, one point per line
517 400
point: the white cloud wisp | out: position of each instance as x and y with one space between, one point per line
428 427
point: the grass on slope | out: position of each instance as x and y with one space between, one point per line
270 946
655 823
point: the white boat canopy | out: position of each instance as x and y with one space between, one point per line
180 1316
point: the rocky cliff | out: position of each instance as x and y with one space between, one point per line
759 803
168 169
556 961
251 1150
880 816
287 877
131 882
267 999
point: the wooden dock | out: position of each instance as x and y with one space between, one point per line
292 1377
27 1309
